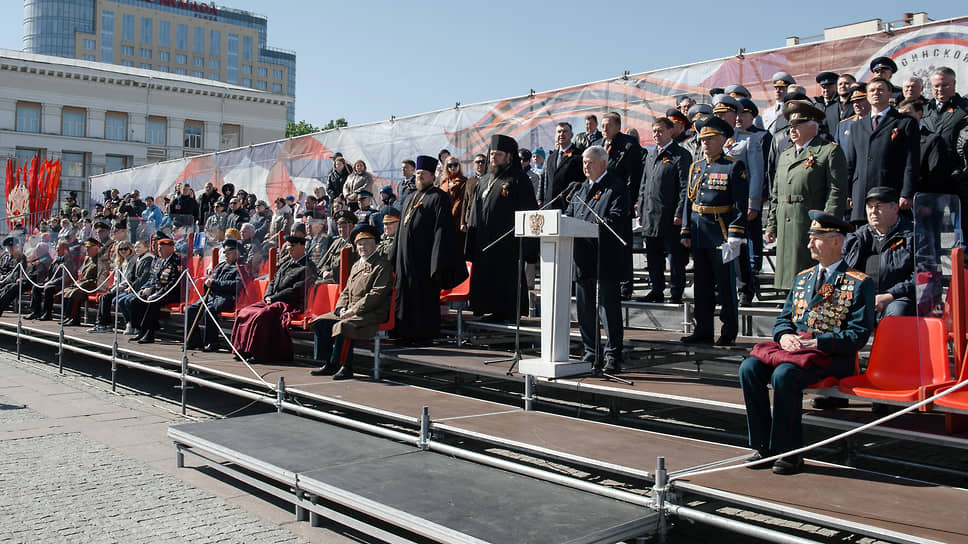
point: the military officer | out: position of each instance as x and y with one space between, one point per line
714 226
828 101
360 309
831 309
738 147
741 93
773 120
221 292
391 220
691 144
858 101
885 68
811 174
760 141
328 267
86 282
161 290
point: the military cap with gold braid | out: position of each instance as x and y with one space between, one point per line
823 223
801 111
708 126
364 231
782 79
858 91
724 103
390 214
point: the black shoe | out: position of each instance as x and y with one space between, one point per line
792 464
726 341
148 338
345 373
326 370
696 339
191 345
652 297
759 454
210 347
46 317
32 316
745 300
588 358
597 370
829 403
676 300
613 365
71 322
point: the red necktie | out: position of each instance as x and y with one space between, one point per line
875 123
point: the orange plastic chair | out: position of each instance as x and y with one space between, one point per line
908 359
831 381
322 301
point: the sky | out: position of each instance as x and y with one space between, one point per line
366 61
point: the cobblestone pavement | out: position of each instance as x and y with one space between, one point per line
79 463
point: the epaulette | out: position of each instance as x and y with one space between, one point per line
857 274
744 131
731 159
805 271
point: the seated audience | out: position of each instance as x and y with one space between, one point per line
221 292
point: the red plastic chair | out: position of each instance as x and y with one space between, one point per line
460 294
909 359
321 302
382 333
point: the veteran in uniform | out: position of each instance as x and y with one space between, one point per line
360 309
391 220
829 309
161 289
221 292
328 267
714 227
86 279
811 174
760 142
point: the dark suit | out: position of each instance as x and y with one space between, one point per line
952 117
227 283
835 112
561 170
851 304
13 285
164 279
609 199
625 162
661 199
42 298
888 156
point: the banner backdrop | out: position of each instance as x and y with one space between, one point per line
288 167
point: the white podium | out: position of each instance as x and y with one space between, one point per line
557 233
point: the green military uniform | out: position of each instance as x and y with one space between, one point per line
815 178
331 259
383 248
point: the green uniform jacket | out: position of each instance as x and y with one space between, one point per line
814 179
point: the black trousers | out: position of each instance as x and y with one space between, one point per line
711 274
610 306
42 299
104 308
656 248
755 237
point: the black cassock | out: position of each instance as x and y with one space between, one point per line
426 259
493 280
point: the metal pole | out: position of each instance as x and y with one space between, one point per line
114 346
376 356
528 392
736 526
659 494
184 362
60 336
424 441
280 394
20 314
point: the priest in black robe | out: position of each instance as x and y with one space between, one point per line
426 257
505 190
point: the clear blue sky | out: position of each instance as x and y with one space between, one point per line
368 60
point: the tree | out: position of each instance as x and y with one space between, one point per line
339 123
298 129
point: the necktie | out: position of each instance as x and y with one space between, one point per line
820 279
875 122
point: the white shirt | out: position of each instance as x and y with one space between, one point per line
829 271
590 182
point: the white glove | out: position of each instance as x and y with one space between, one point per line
731 249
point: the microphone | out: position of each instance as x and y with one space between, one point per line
569 191
600 220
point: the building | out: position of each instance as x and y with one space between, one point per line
181 37
99 117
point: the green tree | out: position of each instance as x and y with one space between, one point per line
300 128
339 123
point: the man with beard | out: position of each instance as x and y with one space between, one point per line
504 191
425 257
562 167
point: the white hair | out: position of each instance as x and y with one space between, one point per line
596 152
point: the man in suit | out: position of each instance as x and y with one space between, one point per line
360 309
591 136
563 166
85 283
937 161
221 290
947 112
829 101
773 120
13 285
607 194
714 228
831 309
42 295
625 162
661 200
884 150
161 290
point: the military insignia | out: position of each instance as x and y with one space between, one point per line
826 290
665 160
537 223
894 134
504 189
809 162
597 196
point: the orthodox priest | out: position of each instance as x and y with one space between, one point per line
426 257
505 190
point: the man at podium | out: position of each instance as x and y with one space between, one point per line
600 260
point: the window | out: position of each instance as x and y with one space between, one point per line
246 68
89 44
181 59
164 69
213 77
214 63
246 82
127 63
246 47
232 64
231 136
157 131
127 27
181 37
127 50
115 126
145 53
145 66
25 155
198 40
181 71
193 134
164 56
198 74
261 85
72 122
28 117
107 36
164 33
277 74
91 58
277 87
198 61
73 164
263 71
113 163
215 43
147 25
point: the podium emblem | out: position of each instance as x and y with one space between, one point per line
537 223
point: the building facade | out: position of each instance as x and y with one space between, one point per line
181 37
99 118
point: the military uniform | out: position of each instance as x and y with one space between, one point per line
86 279
228 280
715 210
330 261
161 289
383 248
747 149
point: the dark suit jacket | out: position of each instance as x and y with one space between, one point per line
609 199
625 162
291 281
953 117
889 156
559 172
663 192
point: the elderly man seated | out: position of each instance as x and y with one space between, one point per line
362 306
828 316
883 249
221 290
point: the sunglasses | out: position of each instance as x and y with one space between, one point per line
453 165
125 249
478 162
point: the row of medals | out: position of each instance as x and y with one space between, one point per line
831 312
